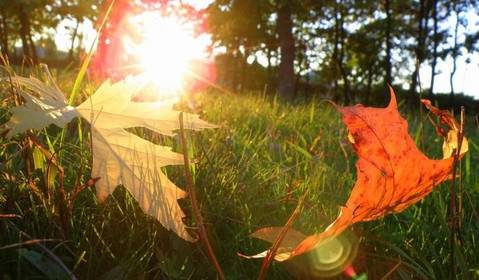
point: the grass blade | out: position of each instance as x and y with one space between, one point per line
86 62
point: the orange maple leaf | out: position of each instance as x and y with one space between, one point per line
392 173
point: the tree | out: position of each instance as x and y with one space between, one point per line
28 17
457 8
435 41
286 44
5 27
388 39
34 17
242 28
369 70
78 11
346 47
422 9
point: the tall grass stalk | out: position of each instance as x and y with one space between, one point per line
86 62
454 218
194 203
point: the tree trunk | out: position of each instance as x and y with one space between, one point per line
340 58
388 78
74 36
286 43
4 35
417 50
335 53
269 70
235 67
421 41
297 81
454 56
369 84
244 69
434 48
33 49
24 33
306 84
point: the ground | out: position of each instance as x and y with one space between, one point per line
250 173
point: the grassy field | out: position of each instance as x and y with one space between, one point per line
249 174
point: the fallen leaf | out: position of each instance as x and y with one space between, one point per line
111 107
451 138
119 157
271 234
43 106
392 173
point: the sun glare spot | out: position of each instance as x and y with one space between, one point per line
165 49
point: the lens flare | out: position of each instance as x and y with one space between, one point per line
165 48
329 259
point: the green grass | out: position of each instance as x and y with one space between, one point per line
250 174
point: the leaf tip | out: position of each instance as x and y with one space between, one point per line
392 100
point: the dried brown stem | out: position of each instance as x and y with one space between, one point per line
274 248
9 216
37 191
28 242
453 211
194 203
90 183
390 272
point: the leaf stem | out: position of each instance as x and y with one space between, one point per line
194 203
274 248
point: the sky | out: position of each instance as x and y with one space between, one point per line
466 79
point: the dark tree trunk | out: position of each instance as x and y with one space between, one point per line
297 81
369 84
33 49
286 44
387 7
434 48
27 42
270 69
235 67
4 35
455 54
335 53
340 42
74 36
244 70
306 84
24 35
421 42
417 50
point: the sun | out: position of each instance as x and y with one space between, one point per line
165 48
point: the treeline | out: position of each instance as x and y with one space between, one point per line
34 23
343 48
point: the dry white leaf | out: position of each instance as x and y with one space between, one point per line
111 107
119 157
49 107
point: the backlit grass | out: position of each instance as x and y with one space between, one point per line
249 174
